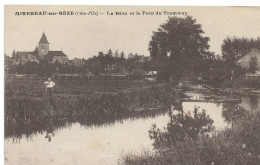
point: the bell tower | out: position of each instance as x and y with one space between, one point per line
43 47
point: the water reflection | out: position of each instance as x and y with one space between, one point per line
251 103
225 112
50 126
102 139
198 117
50 130
83 145
27 131
212 109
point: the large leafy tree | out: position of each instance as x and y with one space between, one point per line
179 46
233 47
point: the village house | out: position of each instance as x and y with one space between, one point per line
8 61
41 53
139 58
57 56
244 61
147 59
25 56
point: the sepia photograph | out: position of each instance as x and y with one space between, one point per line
131 85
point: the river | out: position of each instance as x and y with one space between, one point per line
75 144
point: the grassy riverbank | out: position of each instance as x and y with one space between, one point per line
95 101
36 88
237 145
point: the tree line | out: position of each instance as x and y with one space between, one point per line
110 62
178 48
182 50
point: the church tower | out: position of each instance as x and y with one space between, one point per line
43 47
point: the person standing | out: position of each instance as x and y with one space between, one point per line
49 86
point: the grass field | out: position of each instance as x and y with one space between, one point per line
36 88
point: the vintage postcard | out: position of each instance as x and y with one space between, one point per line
131 85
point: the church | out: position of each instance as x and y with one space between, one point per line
41 53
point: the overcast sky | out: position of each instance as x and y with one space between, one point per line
85 36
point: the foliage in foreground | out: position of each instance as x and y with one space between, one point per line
180 127
232 146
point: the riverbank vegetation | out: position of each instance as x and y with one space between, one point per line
95 101
36 88
239 144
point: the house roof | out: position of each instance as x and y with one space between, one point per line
56 53
36 49
247 54
24 53
52 54
147 58
43 39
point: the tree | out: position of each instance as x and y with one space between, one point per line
233 47
178 45
181 127
130 56
253 65
122 55
109 61
117 60
116 54
101 54
13 54
109 53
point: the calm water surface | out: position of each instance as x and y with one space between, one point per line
83 145
78 145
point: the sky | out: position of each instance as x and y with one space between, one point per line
85 35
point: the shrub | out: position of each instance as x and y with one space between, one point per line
237 145
163 75
137 75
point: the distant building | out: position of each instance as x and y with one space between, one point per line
24 57
43 47
130 56
41 53
147 58
139 58
57 56
8 61
244 60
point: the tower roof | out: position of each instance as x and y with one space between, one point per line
43 39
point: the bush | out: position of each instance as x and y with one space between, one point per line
163 75
237 145
137 75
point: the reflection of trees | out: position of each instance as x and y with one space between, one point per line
20 129
232 111
182 126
